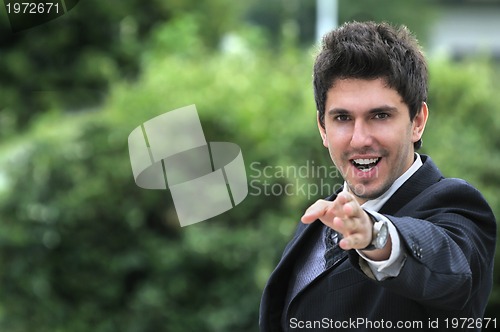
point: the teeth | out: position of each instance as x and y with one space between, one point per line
365 165
365 161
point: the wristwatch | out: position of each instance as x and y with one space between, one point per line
380 233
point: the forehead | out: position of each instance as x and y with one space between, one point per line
362 95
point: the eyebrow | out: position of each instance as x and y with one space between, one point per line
383 108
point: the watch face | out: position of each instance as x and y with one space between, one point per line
381 239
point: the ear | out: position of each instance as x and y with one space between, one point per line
419 122
322 131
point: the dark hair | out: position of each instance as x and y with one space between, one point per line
369 50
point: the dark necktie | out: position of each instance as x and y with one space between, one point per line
333 253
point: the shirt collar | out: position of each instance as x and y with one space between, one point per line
377 203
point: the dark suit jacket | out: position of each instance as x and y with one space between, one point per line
448 231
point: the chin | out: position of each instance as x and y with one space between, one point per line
368 192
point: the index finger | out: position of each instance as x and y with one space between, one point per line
315 211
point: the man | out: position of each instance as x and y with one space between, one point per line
400 247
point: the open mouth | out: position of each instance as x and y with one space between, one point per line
365 165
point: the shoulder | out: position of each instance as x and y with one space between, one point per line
443 186
453 188
452 200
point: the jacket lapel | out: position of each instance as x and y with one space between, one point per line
303 232
423 178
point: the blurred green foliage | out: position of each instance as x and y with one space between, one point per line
82 248
70 62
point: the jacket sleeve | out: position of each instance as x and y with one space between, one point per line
448 232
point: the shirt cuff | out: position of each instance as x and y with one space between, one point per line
391 267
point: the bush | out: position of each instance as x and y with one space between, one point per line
83 248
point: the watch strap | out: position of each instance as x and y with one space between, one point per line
376 227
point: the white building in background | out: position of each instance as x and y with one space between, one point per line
466 28
326 17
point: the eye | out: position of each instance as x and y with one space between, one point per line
342 118
381 116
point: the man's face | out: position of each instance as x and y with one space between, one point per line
369 134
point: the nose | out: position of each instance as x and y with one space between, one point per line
361 135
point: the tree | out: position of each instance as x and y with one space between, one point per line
68 63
